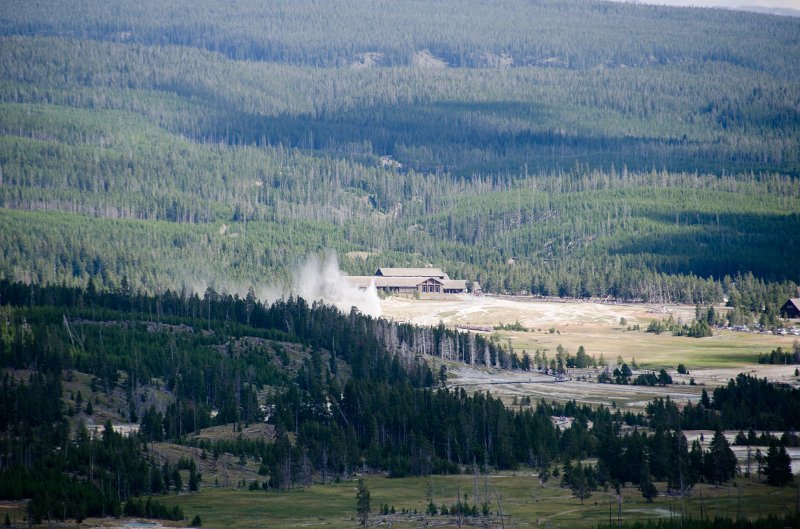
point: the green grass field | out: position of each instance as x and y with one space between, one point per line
724 349
519 495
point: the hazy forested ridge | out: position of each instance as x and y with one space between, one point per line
561 148
579 34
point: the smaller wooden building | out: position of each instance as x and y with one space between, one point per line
791 309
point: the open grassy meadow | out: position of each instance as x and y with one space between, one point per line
724 349
524 502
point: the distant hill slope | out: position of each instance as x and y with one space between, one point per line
564 148
462 33
708 117
780 11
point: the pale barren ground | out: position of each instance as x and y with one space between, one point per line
493 310
712 361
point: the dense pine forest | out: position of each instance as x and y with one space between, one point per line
587 149
342 392
165 167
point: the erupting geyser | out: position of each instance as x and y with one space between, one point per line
321 280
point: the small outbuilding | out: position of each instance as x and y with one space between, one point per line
791 309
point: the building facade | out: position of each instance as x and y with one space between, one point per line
413 280
791 308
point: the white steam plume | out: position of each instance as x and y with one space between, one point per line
321 280
315 279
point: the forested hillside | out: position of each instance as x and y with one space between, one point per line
579 34
339 392
697 115
587 149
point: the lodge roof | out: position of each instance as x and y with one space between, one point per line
411 272
403 282
455 284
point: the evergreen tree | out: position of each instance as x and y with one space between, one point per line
719 463
362 503
704 400
778 465
194 478
580 481
646 485
176 480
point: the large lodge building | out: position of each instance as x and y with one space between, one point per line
413 280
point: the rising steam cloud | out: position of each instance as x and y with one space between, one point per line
315 278
321 280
